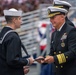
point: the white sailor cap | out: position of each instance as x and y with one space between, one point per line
12 12
62 4
52 11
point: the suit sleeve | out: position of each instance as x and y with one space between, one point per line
70 54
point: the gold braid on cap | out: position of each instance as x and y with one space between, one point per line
59 6
53 14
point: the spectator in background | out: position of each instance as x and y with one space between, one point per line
28 5
11 60
46 1
24 7
65 5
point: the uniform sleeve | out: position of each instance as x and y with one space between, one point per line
70 54
13 54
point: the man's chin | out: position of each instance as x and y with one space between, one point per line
54 26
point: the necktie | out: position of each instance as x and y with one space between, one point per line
55 39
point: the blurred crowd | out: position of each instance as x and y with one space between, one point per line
24 5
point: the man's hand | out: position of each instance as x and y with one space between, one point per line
40 59
49 59
26 69
31 60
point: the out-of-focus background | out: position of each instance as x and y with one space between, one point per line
36 29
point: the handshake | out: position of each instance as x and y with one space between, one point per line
41 59
47 59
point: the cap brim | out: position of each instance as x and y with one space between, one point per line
53 14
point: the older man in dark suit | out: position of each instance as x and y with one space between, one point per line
63 44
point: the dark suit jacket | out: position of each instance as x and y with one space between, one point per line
69 22
11 60
63 48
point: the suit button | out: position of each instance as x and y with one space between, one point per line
61 66
54 52
59 51
56 66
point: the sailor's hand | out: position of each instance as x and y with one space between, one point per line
40 59
26 69
31 60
